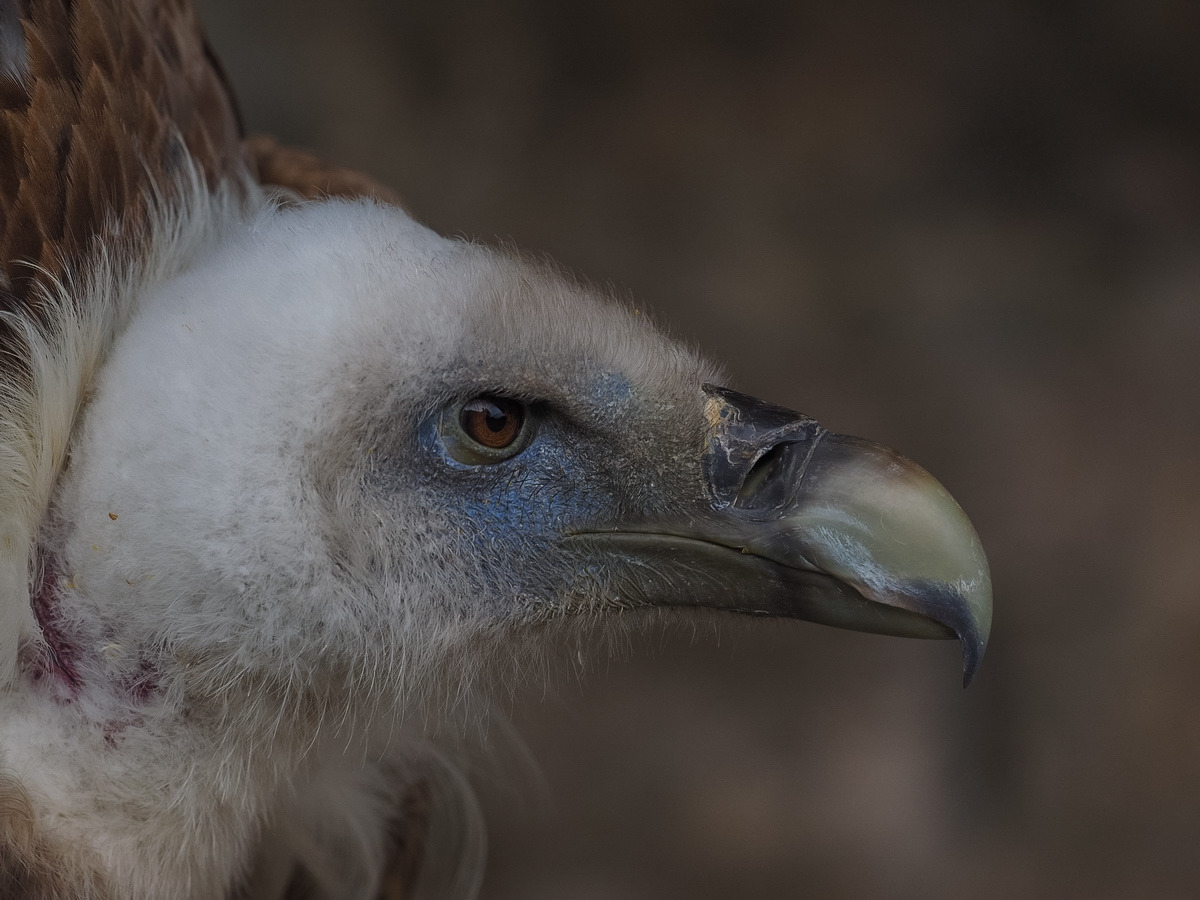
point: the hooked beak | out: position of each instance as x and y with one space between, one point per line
803 523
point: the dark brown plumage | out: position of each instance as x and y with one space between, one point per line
107 94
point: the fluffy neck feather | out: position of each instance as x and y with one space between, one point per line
170 731
80 318
141 783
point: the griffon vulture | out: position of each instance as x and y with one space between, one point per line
286 479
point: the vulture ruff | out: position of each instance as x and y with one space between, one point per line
288 481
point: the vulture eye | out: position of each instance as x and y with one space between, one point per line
486 429
494 422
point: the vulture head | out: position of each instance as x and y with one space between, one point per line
338 445
288 482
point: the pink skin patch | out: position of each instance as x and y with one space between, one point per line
57 665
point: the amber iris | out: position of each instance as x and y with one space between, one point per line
494 422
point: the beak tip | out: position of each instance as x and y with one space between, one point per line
972 657
974 641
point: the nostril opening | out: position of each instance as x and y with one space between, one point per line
764 487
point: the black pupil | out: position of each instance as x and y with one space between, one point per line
495 418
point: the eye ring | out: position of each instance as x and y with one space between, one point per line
486 429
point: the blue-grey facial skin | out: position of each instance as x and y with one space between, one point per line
518 506
586 467
612 500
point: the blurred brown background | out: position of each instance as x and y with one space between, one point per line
969 230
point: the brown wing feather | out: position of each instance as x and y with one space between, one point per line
106 97
310 176
105 100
